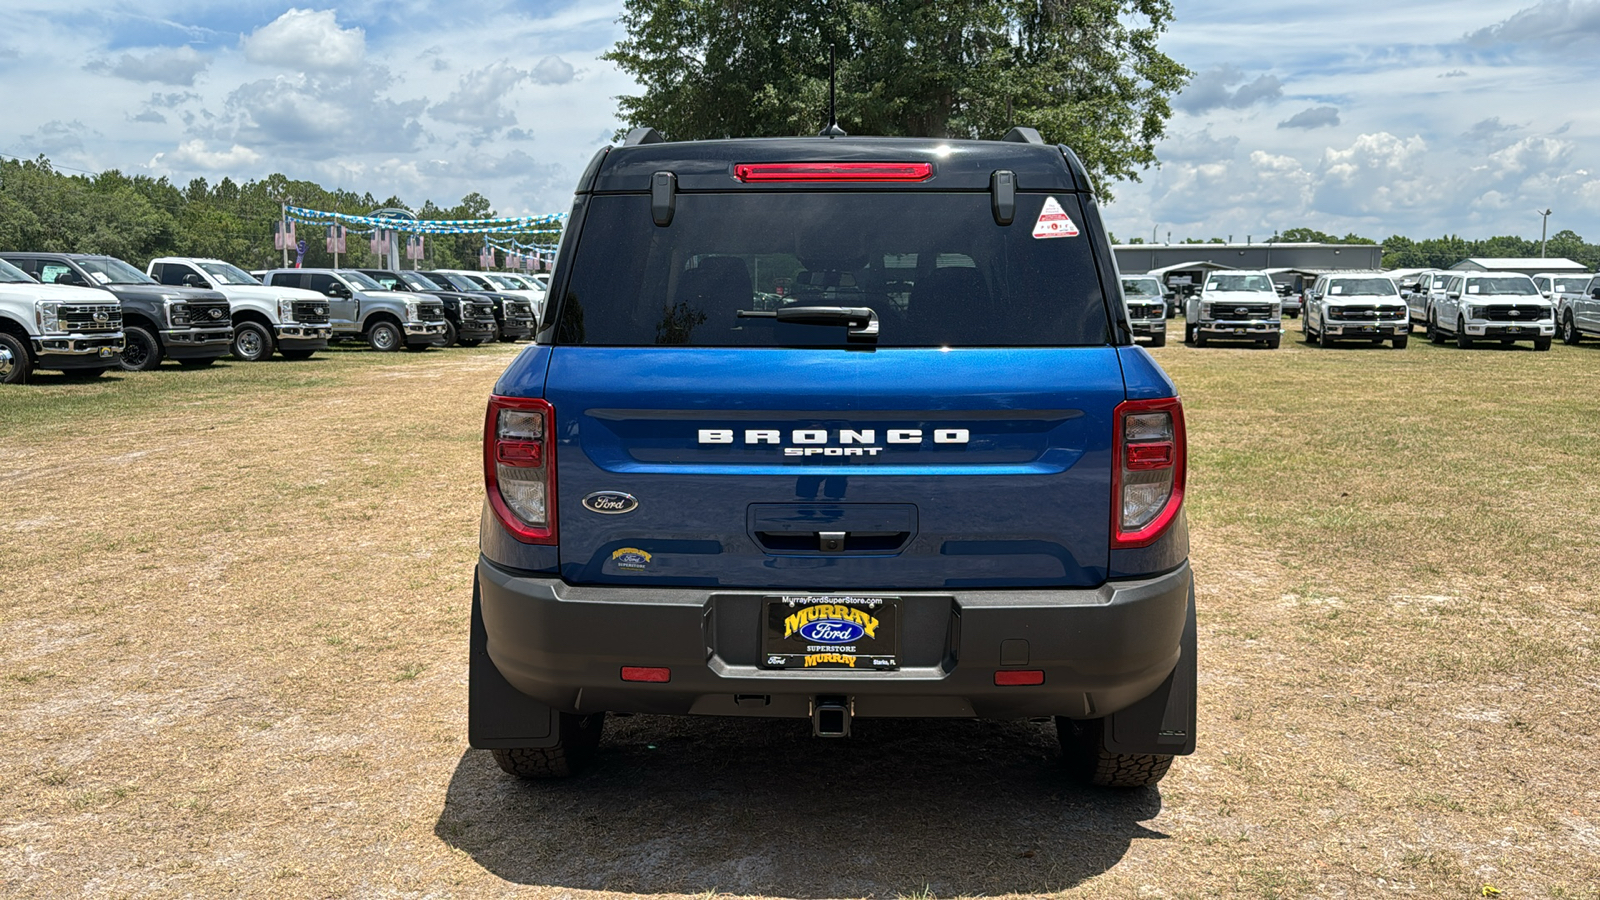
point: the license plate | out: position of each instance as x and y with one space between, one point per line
1513 330
811 631
1367 329
107 352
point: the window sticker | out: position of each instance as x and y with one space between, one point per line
1472 289
1054 221
1338 289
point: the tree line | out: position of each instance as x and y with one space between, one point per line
137 218
1401 252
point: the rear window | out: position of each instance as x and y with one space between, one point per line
935 268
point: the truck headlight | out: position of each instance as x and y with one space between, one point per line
1277 309
177 311
285 310
48 314
1205 310
412 314
1476 312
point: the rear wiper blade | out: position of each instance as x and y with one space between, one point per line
862 321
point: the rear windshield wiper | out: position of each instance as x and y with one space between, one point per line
862 321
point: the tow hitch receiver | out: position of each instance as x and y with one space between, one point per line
830 716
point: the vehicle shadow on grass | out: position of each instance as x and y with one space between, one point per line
753 806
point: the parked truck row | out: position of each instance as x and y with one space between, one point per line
86 313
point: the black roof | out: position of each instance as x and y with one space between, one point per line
958 165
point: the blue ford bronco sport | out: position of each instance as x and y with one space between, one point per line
835 428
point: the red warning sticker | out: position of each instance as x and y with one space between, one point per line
1054 221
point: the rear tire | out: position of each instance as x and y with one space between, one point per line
1401 342
1569 331
21 365
577 737
141 351
252 342
1083 750
1325 339
1435 336
449 338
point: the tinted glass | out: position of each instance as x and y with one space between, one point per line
419 282
361 281
1143 287
1362 287
107 270
10 273
224 273
1239 283
934 267
1507 285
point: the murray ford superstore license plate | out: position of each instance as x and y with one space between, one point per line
831 632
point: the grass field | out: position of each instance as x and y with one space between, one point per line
233 607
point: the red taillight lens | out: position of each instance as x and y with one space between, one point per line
1150 462
833 171
519 467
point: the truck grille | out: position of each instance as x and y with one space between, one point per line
208 315
1514 312
431 312
1243 310
87 319
518 310
483 312
1147 310
1384 313
310 312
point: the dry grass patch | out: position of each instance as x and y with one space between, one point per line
233 607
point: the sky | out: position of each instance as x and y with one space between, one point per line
1423 119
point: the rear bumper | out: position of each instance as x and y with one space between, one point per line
1101 649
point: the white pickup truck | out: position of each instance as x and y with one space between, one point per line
1235 305
290 320
55 326
1503 306
1364 307
1578 307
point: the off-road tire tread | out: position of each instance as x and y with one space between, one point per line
1084 752
579 738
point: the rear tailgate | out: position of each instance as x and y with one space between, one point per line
898 468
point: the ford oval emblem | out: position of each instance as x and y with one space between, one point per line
832 631
610 503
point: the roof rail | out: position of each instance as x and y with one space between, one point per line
643 135
1023 135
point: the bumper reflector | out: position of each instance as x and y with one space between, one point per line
1019 676
651 674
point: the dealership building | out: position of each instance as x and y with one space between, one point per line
1297 265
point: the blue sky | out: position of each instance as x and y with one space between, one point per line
1381 118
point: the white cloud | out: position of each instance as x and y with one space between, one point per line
319 117
164 65
195 155
1316 117
1557 23
307 40
1212 89
56 137
553 70
477 101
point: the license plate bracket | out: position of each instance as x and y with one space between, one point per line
823 631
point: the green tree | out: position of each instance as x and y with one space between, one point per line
1086 73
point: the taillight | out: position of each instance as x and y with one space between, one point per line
519 467
833 171
1147 481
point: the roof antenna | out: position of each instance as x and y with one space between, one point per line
833 130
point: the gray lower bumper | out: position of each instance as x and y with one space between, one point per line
1100 649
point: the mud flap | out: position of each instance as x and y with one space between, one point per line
498 715
1163 722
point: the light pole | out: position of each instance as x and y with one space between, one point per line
1544 229
1153 232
